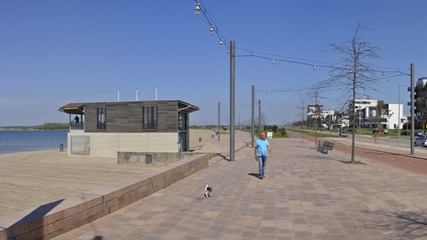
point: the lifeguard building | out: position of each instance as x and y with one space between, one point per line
102 129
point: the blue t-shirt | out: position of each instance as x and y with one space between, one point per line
262 146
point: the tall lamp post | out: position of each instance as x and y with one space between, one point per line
398 115
259 117
232 99
253 117
197 9
219 122
412 109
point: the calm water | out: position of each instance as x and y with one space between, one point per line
24 141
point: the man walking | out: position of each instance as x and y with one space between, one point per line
261 151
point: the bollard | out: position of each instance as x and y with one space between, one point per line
61 147
148 159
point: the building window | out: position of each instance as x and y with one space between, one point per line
149 117
182 121
100 118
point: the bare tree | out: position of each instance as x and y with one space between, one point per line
355 74
302 108
315 96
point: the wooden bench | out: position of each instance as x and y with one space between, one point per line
324 146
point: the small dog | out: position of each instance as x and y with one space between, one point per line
208 191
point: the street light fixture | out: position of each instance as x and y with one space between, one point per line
231 50
211 29
197 8
221 42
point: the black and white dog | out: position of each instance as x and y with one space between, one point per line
208 191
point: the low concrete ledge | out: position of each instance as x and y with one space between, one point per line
151 157
56 218
53 219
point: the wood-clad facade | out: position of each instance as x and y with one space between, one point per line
160 116
128 116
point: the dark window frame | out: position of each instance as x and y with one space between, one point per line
101 118
150 117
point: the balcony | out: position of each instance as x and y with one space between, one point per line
77 125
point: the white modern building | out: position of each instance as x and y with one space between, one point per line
391 114
420 103
314 110
371 113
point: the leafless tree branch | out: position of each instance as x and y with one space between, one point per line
355 75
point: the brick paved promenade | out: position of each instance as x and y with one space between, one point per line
305 195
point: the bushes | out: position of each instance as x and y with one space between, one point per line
54 126
277 132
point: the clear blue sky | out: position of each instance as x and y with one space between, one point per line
57 52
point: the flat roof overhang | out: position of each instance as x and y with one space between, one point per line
78 108
186 107
73 108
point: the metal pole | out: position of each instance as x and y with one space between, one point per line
412 110
253 117
156 93
302 115
232 99
219 121
238 121
259 116
136 94
398 119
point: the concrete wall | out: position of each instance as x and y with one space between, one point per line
56 218
155 157
108 144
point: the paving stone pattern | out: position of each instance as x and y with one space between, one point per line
305 195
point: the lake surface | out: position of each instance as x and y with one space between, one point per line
25 141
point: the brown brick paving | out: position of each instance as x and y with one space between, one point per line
306 195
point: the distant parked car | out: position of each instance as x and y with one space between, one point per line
377 131
406 133
421 141
343 134
418 134
386 131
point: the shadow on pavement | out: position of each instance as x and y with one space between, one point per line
224 157
38 213
407 225
355 162
253 174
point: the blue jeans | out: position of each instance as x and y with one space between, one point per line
262 160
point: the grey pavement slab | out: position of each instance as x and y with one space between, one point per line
305 195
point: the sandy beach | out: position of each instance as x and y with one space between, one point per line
31 179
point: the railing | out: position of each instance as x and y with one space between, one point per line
77 125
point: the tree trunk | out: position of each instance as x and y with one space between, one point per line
353 108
